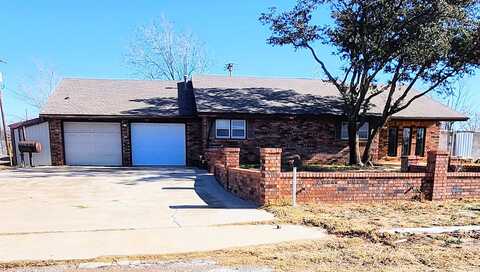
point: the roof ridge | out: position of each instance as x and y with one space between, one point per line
119 79
260 77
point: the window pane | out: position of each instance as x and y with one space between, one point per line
223 132
344 131
392 142
407 139
238 133
238 124
222 128
223 124
420 142
238 129
363 132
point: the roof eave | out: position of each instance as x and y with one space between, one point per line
431 118
95 116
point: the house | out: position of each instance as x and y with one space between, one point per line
139 122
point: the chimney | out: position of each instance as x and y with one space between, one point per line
185 97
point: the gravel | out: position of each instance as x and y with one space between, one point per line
143 266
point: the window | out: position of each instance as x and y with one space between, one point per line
407 141
230 129
222 130
363 131
420 142
392 142
238 129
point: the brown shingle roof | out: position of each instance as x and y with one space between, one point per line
106 97
295 96
215 94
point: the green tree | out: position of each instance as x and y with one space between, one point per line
387 47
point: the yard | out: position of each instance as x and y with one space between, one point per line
355 244
366 219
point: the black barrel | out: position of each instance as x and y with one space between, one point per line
29 147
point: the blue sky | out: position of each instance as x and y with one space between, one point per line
89 38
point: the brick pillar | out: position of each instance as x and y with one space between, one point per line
231 157
214 156
205 129
437 164
56 142
270 168
126 144
407 161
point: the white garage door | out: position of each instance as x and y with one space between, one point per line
92 143
158 144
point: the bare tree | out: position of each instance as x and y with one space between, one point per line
460 99
159 52
35 89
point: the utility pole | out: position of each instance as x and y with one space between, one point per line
4 122
229 67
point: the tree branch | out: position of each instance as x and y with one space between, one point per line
324 68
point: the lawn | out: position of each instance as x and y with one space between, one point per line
365 219
357 245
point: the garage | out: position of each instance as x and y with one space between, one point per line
158 144
92 143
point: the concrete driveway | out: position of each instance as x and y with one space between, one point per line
85 199
86 212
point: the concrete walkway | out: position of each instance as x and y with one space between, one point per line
85 245
88 212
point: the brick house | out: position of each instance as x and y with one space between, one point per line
137 122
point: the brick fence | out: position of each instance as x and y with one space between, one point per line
270 185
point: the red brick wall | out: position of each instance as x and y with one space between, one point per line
126 143
360 187
270 185
56 142
431 141
194 148
244 183
461 185
316 140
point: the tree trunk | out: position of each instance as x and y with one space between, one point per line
354 148
366 157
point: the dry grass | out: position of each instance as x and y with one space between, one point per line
348 250
426 253
365 219
415 253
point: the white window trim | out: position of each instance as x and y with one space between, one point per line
230 129
344 126
244 129
216 129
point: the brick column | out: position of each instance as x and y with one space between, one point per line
231 157
126 143
270 168
213 156
437 164
56 142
